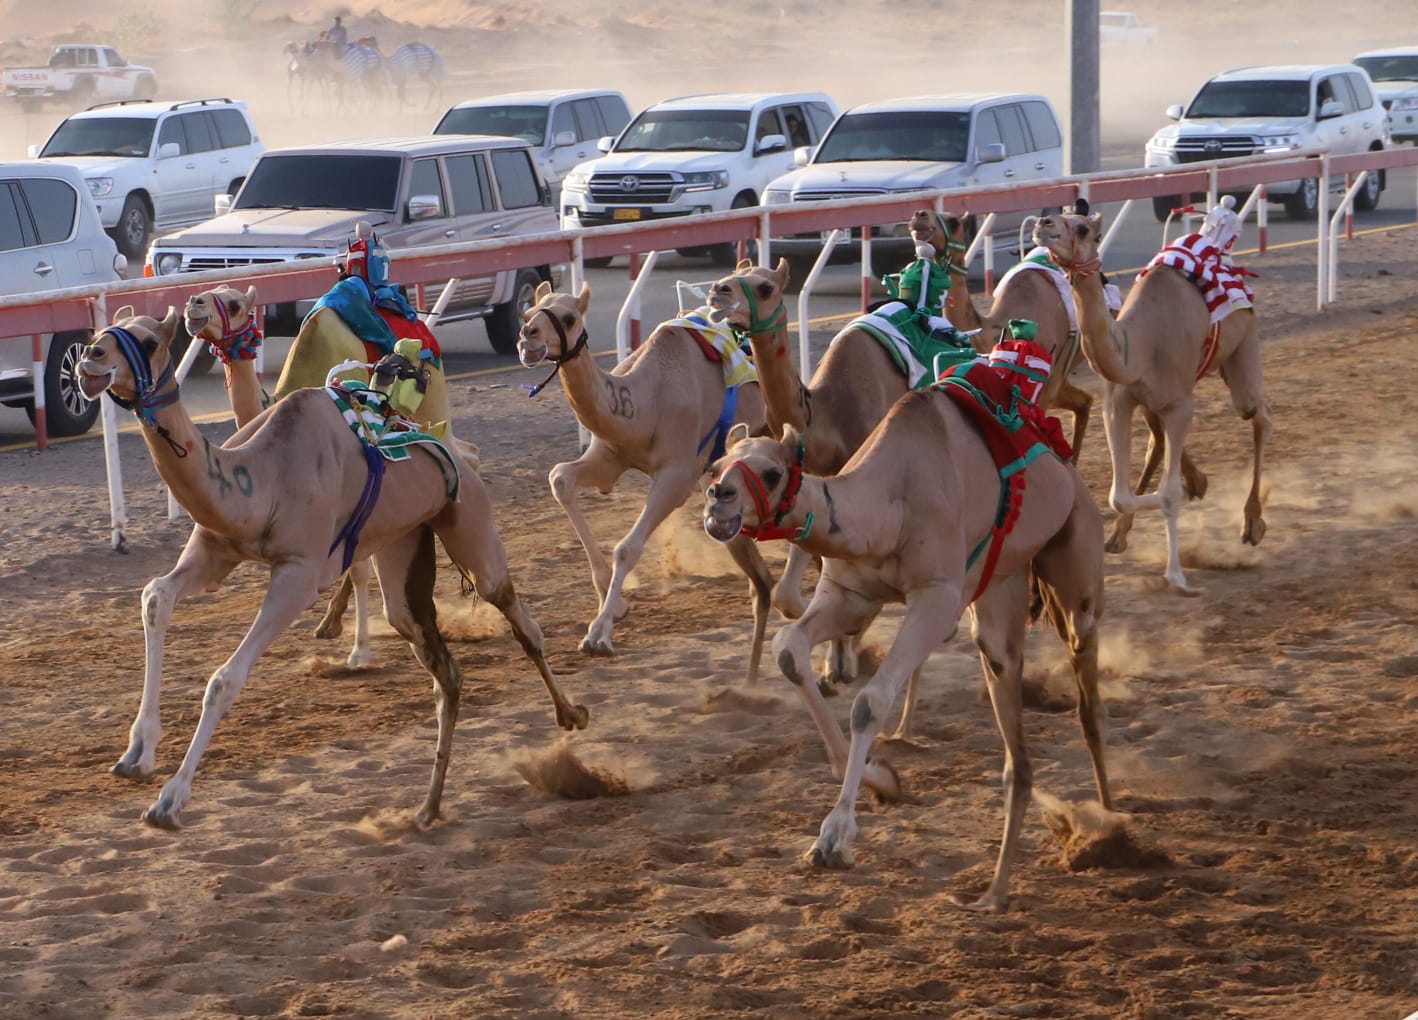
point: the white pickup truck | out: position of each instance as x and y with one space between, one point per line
82 74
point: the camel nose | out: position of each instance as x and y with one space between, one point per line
720 491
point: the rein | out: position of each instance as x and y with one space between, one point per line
565 355
758 492
151 397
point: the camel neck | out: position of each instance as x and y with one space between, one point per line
1105 342
784 395
959 305
592 401
834 506
202 477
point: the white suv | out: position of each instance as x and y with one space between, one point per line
923 143
696 154
1395 77
1276 109
154 166
50 238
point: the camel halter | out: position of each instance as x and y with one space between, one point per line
151 397
565 355
758 325
240 342
758 492
1073 268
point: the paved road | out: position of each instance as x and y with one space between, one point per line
838 293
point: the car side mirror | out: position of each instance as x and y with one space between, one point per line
770 143
802 155
221 204
425 207
604 144
1330 109
1174 112
562 139
169 150
992 153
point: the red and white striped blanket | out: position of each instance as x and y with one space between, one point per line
1222 284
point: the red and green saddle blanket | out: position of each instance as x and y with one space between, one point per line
1017 433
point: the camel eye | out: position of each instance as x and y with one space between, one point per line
1081 230
772 477
765 290
231 306
568 320
952 223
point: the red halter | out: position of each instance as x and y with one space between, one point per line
758 492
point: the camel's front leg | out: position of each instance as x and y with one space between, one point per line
788 592
931 618
908 711
833 612
668 490
1242 373
598 467
293 586
745 552
1079 403
202 566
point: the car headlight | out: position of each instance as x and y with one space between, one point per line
577 180
1279 143
777 197
167 263
706 180
1162 143
99 186
1407 103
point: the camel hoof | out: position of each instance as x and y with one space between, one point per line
359 657
826 688
597 646
824 854
130 766
1254 531
424 818
886 787
577 719
162 815
984 905
1194 486
1182 588
1117 542
330 627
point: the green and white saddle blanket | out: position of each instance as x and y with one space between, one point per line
374 423
719 343
1039 260
921 345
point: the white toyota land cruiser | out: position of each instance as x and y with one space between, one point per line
696 154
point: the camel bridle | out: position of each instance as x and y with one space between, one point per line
758 493
151 396
1075 268
239 341
757 324
565 355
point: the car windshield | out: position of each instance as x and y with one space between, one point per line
528 123
686 131
934 136
1252 99
322 181
1390 68
102 136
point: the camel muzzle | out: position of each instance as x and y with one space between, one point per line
92 385
722 529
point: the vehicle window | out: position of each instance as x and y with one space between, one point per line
686 131
986 131
53 205
200 136
821 116
937 137
11 235
466 184
86 58
561 120
425 180
1363 97
516 180
1011 128
323 181
795 127
1251 99
1344 92
768 124
1396 68
528 123
588 120
1042 126
172 131
63 58
232 131
114 60
101 136
614 113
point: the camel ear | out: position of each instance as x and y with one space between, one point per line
791 439
1096 222
543 291
167 325
744 266
780 273
126 312
737 434
583 297
251 296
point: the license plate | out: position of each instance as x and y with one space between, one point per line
626 214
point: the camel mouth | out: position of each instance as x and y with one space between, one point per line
529 356
90 385
723 530
720 308
195 321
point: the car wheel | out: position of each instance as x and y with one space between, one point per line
505 322
134 228
1367 200
1162 206
67 412
1304 204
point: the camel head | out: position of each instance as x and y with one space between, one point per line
1072 238
944 232
220 313
755 483
553 328
127 369
751 299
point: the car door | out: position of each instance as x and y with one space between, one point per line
181 185
235 152
987 132
25 264
1369 116
54 211
475 214
1331 132
1046 155
768 165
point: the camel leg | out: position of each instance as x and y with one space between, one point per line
902 732
1079 403
596 467
833 612
745 552
668 490
788 592
469 535
1001 619
332 624
1243 377
355 582
1176 423
931 617
294 585
1156 443
201 567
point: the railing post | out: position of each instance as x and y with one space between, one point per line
117 513
804 327
989 251
1348 209
1322 235
630 309
764 245
1263 217
1211 189
578 263
41 426
635 298
867 279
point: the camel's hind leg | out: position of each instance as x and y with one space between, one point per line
597 468
201 567
355 582
1243 376
469 535
745 553
294 585
1079 403
1193 479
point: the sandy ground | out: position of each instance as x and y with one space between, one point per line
1260 741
